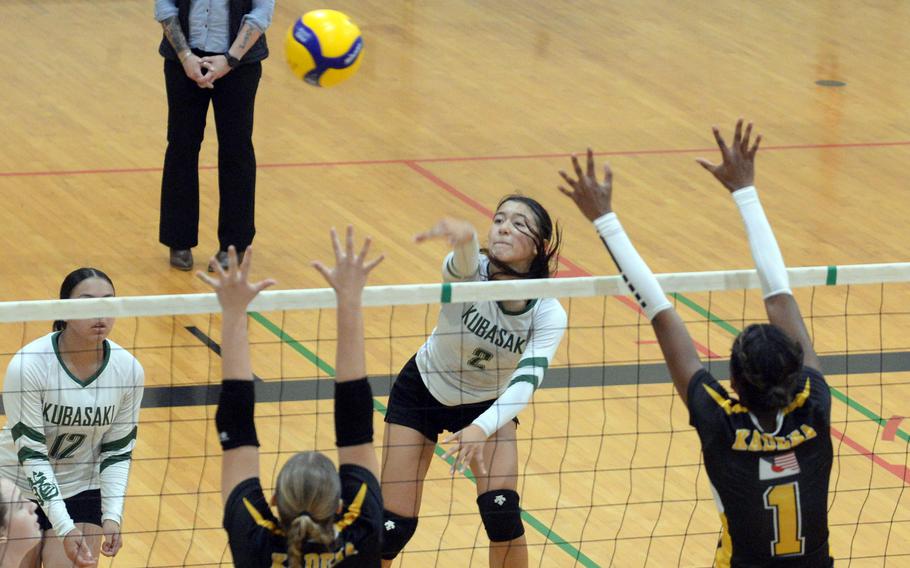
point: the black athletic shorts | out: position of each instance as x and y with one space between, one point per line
412 405
83 507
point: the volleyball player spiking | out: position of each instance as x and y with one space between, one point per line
72 402
768 452
474 374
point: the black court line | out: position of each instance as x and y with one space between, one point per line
209 342
294 390
297 390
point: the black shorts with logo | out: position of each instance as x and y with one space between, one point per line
83 507
411 404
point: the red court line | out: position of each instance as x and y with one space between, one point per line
454 159
891 428
900 471
571 269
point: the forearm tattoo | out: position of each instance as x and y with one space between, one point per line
174 34
245 38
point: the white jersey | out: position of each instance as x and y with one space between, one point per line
478 350
67 435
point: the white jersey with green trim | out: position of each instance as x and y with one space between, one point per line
64 435
478 349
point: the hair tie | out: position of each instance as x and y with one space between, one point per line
305 514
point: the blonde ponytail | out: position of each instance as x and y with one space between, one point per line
308 492
304 529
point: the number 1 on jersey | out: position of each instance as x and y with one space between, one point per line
783 500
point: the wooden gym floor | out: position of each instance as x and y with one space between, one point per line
456 104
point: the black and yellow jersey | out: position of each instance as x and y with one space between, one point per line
258 541
771 488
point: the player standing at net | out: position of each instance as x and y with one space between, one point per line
478 369
328 518
768 454
72 403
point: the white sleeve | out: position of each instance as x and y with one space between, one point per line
549 328
22 400
117 451
463 262
769 263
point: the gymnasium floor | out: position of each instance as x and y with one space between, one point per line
456 104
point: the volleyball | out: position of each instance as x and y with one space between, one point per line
324 47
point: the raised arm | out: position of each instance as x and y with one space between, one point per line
594 199
353 396
463 262
234 417
737 174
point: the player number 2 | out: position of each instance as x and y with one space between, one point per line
783 500
480 356
59 452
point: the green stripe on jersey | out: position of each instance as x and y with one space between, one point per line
30 454
21 429
114 459
526 379
121 443
533 362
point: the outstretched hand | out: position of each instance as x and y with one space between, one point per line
738 168
455 231
349 275
593 198
233 288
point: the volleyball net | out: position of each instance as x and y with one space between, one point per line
610 471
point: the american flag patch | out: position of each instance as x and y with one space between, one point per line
777 466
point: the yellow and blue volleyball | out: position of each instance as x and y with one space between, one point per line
324 47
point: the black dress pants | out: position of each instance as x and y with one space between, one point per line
233 100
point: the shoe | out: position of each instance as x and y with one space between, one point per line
222 258
182 259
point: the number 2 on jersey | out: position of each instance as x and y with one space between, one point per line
783 500
58 452
480 356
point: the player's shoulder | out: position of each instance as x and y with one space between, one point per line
252 529
43 345
549 313
123 360
33 358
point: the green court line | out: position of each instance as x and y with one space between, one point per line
547 532
832 279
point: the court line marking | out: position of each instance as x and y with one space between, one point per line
712 318
891 428
457 159
547 532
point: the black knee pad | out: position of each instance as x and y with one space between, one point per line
396 532
501 515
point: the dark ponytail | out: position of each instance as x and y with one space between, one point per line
72 280
547 238
766 364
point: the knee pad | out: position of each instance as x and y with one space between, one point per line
501 515
396 532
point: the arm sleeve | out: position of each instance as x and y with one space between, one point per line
260 17
165 9
117 451
528 374
769 263
22 401
463 263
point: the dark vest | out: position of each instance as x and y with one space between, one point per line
238 9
